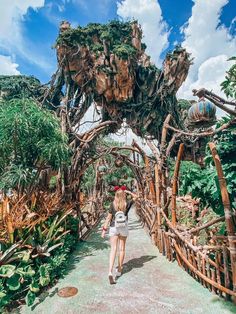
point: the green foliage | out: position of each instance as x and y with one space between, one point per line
24 278
203 183
117 34
229 84
20 86
30 138
88 179
124 51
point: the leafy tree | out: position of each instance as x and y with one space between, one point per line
203 183
229 84
20 86
30 140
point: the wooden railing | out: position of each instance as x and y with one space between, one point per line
214 266
210 265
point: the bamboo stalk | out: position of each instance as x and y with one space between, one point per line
175 184
150 181
218 278
164 190
157 186
204 270
168 247
158 202
189 258
194 264
208 274
226 270
213 278
178 259
231 229
199 266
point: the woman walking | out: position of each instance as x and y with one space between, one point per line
118 219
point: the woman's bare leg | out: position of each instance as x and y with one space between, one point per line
113 241
122 241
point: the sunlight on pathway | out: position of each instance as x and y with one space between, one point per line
150 284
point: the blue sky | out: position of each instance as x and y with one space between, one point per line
30 30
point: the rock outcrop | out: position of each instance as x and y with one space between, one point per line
109 62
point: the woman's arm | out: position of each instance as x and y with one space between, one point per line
134 196
105 226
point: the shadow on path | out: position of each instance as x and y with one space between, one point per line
137 263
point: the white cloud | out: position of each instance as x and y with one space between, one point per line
12 15
210 44
7 67
211 73
149 15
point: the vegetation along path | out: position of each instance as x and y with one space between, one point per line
150 284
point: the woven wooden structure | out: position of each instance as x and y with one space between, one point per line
213 266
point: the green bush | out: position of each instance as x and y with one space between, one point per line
38 267
204 183
30 138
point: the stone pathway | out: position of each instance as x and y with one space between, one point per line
150 284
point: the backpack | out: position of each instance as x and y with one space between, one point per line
120 219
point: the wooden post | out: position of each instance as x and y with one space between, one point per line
230 226
157 186
149 176
163 159
175 184
164 132
226 270
158 203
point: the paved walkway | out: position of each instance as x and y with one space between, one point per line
150 284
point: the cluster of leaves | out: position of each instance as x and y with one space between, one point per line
124 51
201 183
30 139
229 84
117 34
204 183
20 86
38 260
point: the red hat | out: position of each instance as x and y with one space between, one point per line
116 188
123 188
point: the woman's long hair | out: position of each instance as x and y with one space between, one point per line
120 201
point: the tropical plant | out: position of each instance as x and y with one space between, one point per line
20 86
229 84
30 140
203 183
35 262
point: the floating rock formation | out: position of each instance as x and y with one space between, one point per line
109 62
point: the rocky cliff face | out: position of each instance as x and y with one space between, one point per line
109 62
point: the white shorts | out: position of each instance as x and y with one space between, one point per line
122 231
